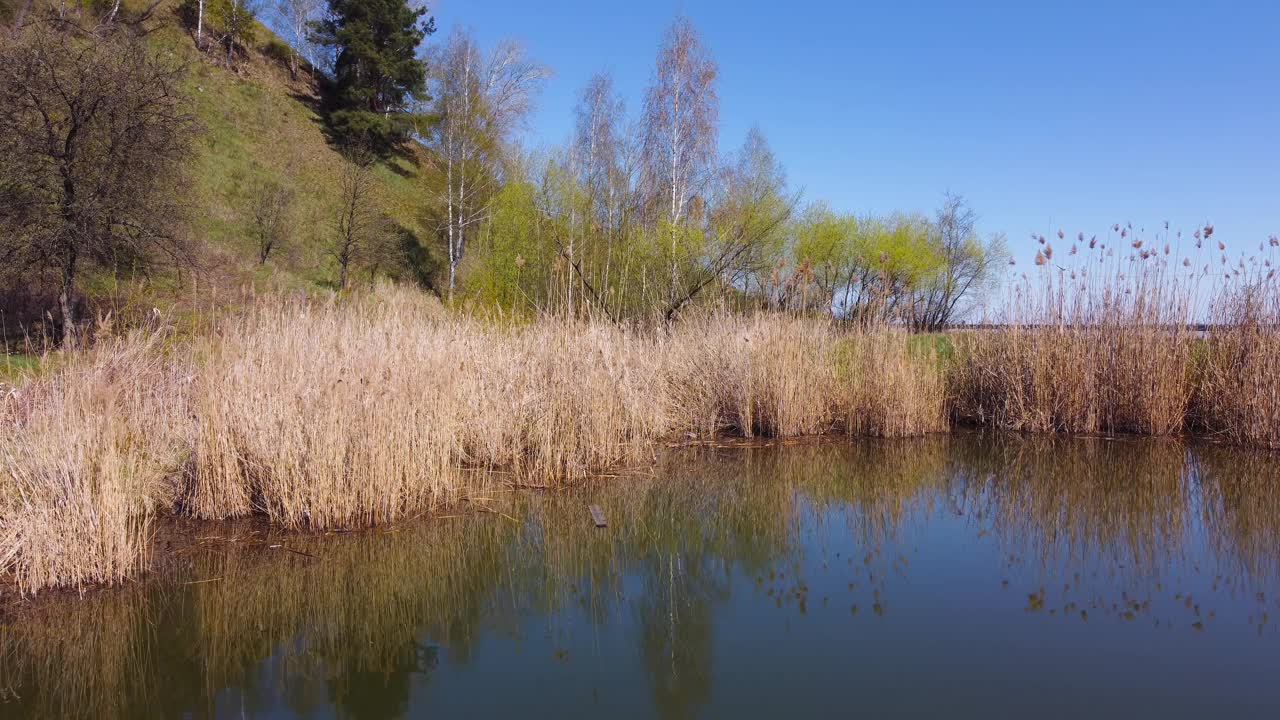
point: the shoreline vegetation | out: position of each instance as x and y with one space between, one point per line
450 309
373 407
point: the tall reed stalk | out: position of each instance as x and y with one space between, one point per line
1238 383
85 452
1101 345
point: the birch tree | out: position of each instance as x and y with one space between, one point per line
296 16
479 100
604 177
681 115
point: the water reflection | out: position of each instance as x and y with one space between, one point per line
836 566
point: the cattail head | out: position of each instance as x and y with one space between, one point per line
1166 248
1061 234
1221 245
1115 228
1137 244
1196 235
1124 234
1274 240
1073 249
1040 258
1208 230
1041 239
1048 252
1186 262
1093 242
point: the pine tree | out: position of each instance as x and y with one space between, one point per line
376 68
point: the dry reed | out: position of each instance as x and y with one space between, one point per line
84 453
363 410
780 376
1238 382
1104 346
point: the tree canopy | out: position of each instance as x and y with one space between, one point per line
376 68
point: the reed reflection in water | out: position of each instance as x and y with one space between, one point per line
964 574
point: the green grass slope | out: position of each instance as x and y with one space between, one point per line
260 127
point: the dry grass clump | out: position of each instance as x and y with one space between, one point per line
363 410
1238 382
770 376
1104 346
553 400
890 386
324 416
781 376
86 451
356 414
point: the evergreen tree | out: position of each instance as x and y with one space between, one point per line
376 68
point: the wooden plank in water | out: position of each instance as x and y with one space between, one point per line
597 516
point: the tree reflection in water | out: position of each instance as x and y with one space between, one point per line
360 625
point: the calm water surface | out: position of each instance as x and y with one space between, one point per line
959 577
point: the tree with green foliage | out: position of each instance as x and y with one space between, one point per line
234 22
376 69
969 267
479 100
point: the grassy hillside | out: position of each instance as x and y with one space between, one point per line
258 128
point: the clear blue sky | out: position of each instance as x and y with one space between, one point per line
1045 115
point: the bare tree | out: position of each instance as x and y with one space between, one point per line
968 266
478 102
357 223
681 116
93 132
295 18
272 208
599 158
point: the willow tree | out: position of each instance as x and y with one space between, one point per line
969 266
744 232
865 269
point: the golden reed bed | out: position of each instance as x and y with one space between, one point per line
362 411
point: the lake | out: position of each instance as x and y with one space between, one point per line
960 576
